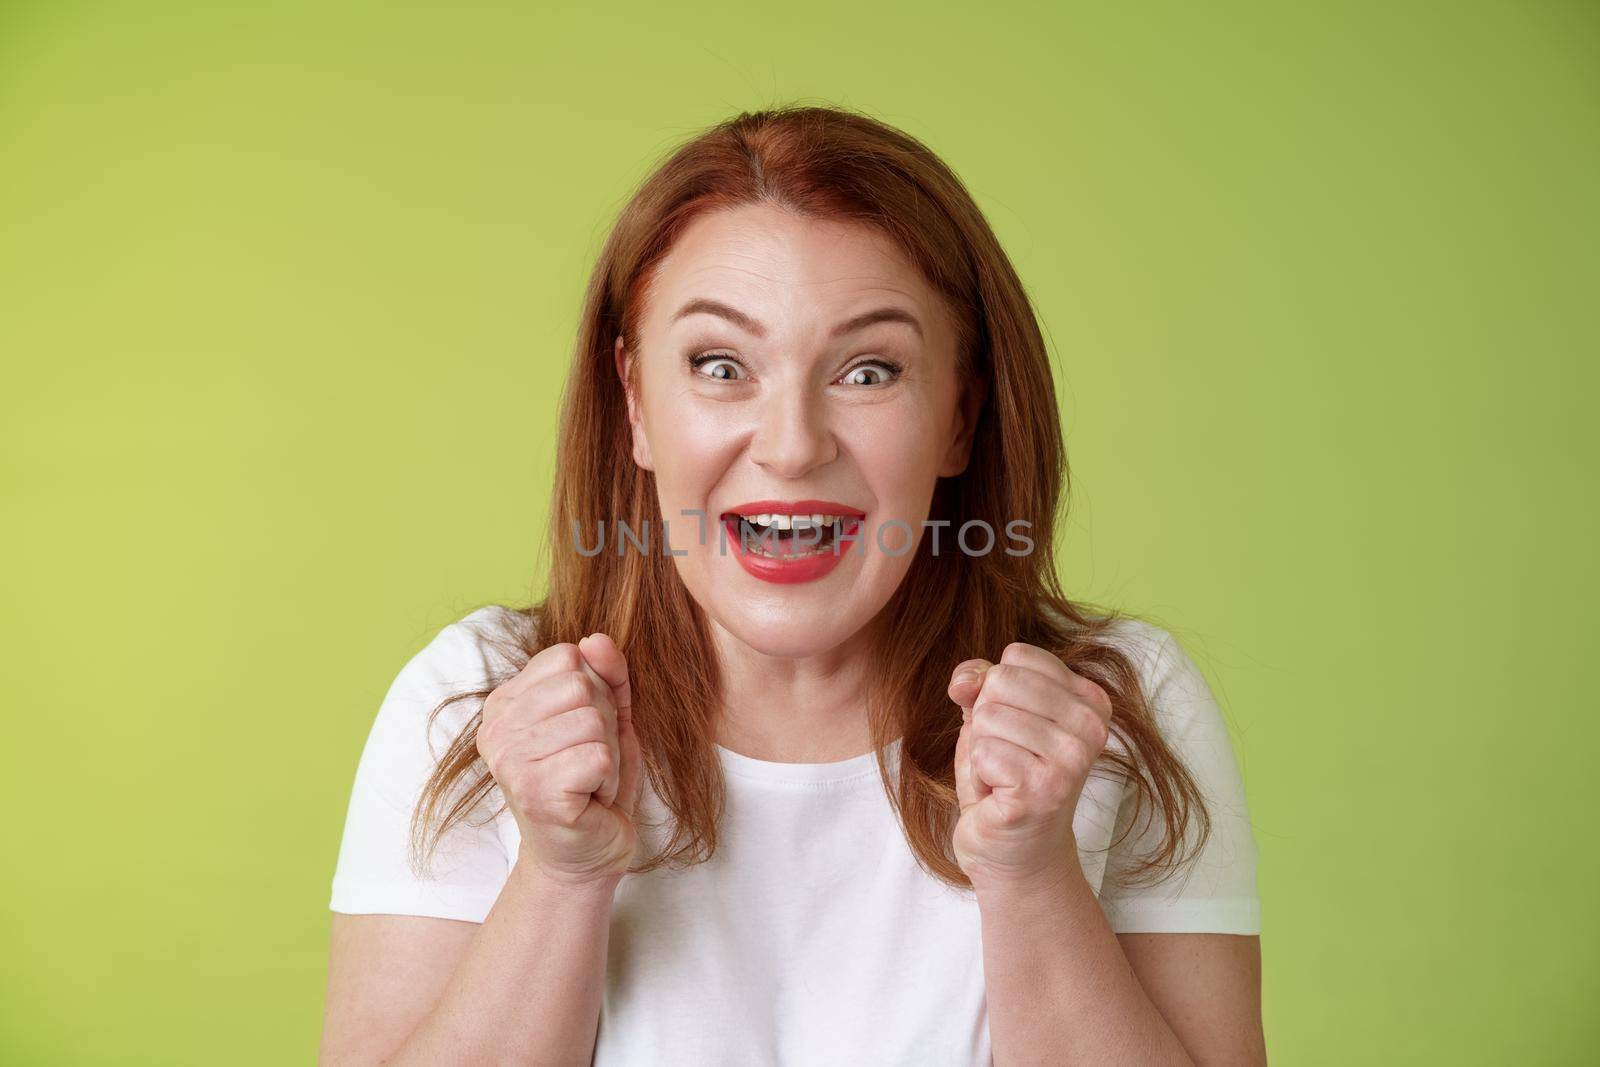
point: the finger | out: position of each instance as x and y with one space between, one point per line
605 656
605 659
1022 654
1069 750
576 727
554 696
1035 733
555 659
575 773
968 789
965 681
560 692
630 779
1001 764
1024 687
1050 665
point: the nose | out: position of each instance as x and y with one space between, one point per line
792 436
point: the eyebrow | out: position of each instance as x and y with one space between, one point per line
702 306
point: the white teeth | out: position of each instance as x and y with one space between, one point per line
766 526
793 522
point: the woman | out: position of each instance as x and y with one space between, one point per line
805 758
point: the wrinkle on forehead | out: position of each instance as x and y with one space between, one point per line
808 255
799 278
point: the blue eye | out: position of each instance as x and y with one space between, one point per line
730 372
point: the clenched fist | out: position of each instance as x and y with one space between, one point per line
1032 729
559 740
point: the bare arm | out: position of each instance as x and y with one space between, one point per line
1208 988
1062 989
523 987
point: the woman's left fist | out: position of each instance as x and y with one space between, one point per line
1031 730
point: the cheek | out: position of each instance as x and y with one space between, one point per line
690 451
895 443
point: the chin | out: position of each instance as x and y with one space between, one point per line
780 631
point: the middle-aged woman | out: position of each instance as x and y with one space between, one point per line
804 757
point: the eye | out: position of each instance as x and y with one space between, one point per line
724 368
872 372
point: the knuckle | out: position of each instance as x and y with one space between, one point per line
990 713
577 690
1078 755
494 703
1094 694
1096 732
489 741
563 810
560 814
531 780
518 785
592 756
565 656
592 722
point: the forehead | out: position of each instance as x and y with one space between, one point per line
783 265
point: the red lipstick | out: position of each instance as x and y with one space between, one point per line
773 560
796 507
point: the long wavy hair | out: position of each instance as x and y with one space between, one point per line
826 163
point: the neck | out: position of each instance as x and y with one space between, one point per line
793 709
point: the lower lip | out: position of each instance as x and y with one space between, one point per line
788 569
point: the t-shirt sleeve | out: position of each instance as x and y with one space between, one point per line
470 866
1217 893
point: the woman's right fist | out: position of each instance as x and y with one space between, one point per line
559 740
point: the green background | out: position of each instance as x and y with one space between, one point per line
287 293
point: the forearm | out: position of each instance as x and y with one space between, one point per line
1059 988
528 989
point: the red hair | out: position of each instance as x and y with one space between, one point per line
833 163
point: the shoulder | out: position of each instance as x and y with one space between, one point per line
418 718
1188 716
1150 649
1146 645
1173 685
491 637
465 652
425 713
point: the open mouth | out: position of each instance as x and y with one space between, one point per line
787 537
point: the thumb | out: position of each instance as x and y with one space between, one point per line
965 683
607 660
966 788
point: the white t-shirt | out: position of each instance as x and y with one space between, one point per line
811 936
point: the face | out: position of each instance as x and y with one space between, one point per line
787 369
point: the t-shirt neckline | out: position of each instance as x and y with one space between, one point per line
845 770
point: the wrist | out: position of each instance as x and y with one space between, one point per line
1046 885
590 887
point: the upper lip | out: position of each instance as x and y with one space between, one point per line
796 507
